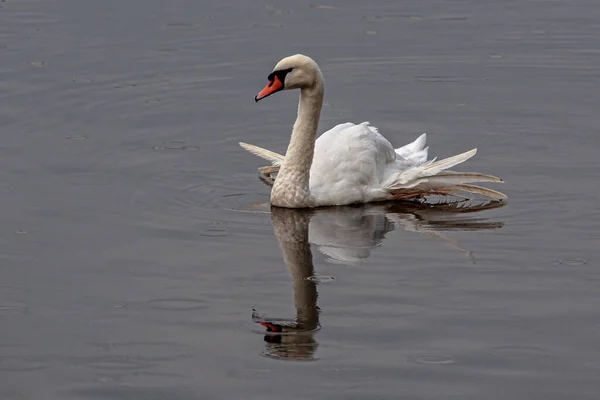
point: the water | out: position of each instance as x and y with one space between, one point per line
134 247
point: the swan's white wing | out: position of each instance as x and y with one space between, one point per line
349 162
346 140
414 153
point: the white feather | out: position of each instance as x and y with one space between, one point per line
271 156
489 193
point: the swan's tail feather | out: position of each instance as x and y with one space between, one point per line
409 177
454 190
485 192
475 175
434 178
274 158
450 178
407 194
436 167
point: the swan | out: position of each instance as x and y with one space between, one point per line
351 163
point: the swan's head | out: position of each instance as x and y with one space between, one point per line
293 72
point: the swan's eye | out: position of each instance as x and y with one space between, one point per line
280 74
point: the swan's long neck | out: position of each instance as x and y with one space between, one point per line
291 188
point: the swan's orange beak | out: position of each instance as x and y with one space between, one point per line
273 86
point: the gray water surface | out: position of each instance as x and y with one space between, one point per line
134 246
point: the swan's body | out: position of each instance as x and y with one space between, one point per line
351 163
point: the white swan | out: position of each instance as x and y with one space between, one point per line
351 163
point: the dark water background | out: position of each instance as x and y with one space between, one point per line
132 255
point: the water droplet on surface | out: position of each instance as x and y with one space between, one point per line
320 278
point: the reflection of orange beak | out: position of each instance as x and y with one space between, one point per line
273 86
271 327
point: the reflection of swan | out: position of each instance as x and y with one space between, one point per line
352 164
348 234
345 235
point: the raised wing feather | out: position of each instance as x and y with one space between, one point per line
274 158
405 178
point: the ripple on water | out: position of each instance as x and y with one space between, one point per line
147 351
177 304
432 358
12 395
12 308
250 373
305 353
179 194
21 364
176 145
113 363
571 262
519 352
77 137
421 282
469 306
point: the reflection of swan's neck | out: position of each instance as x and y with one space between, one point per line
291 230
291 188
